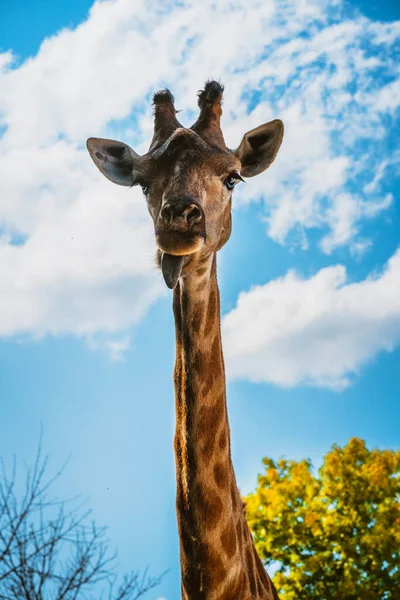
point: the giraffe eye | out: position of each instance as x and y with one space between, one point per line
232 180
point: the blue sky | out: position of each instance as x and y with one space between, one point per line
309 280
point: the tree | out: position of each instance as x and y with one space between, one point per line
334 534
50 550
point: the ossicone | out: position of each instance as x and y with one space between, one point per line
208 124
165 121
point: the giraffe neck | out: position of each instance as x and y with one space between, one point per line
218 558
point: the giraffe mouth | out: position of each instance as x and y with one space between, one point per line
174 241
174 249
171 267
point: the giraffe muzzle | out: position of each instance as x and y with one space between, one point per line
180 232
180 228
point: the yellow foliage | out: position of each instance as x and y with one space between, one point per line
334 534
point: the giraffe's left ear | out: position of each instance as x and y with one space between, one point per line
116 160
259 147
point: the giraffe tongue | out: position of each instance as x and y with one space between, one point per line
171 267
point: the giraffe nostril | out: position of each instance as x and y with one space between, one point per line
181 213
193 214
167 214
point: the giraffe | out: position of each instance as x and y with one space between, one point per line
188 176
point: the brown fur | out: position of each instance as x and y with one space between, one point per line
229 540
220 475
213 502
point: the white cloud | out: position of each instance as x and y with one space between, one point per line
84 263
87 263
317 331
115 347
344 214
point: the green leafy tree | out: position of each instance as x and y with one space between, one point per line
332 535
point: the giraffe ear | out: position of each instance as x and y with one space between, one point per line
116 160
259 147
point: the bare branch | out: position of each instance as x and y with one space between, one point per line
49 550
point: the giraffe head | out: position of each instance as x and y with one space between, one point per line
188 176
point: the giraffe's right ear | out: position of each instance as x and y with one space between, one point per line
259 147
116 160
